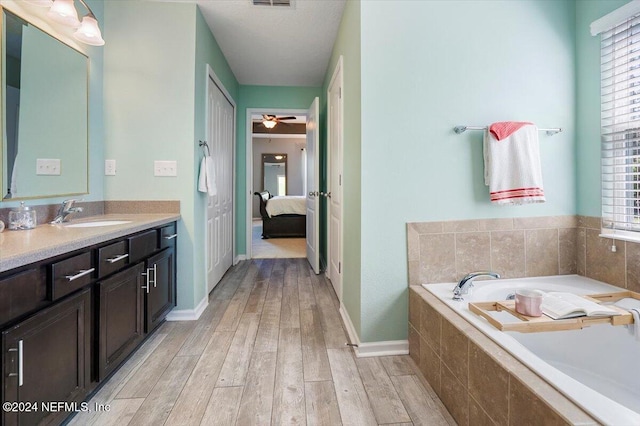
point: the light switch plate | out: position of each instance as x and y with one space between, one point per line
48 166
165 168
109 167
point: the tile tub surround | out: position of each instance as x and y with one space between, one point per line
478 381
449 350
515 248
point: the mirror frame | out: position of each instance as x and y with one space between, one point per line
270 158
21 15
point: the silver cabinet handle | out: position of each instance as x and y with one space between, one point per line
79 274
117 258
20 373
170 237
326 194
155 274
146 274
20 363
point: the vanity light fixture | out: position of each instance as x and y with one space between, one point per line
269 124
64 12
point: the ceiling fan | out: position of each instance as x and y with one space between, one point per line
270 121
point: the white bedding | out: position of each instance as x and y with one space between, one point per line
287 204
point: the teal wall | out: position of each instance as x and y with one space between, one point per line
207 52
155 110
149 115
588 104
347 45
271 97
507 60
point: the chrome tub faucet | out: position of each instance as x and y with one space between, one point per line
65 210
466 283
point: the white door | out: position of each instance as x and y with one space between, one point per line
313 182
220 133
334 184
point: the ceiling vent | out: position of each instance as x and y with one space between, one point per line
272 3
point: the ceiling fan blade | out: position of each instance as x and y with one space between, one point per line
286 118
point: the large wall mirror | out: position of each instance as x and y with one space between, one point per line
45 88
274 173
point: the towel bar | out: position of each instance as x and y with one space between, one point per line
462 129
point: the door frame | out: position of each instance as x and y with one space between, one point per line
249 162
338 72
212 78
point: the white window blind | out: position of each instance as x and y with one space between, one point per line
620 101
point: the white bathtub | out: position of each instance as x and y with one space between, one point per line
596 367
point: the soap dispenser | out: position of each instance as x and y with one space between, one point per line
22 217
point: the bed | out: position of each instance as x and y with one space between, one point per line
282 216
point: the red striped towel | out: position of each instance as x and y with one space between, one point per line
512 163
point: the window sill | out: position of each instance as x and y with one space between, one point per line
633 237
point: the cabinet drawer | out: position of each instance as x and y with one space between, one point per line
142 245
168 236
70 274
22 292
112 258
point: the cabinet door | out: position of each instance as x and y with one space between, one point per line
121 318
160 297
47 359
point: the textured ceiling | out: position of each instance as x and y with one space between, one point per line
275 45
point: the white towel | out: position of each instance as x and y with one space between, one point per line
633 306
512 163
206 179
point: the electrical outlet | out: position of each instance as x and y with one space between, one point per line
109 167
48 166
165 168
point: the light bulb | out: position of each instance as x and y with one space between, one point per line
269 124
41 3
64 12
89 32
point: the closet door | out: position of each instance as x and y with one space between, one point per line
220 137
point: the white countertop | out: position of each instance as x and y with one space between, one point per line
18 248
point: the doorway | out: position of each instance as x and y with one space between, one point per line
275 163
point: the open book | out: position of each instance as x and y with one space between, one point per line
561 305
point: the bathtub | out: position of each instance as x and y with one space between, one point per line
596 367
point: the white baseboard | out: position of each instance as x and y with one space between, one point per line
239 258
389 347
351 330
363 350
188 314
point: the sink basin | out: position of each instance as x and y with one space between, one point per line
98 223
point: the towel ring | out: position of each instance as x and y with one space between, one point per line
204 144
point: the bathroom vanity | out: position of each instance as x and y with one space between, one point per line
74 304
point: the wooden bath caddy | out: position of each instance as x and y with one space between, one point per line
544 323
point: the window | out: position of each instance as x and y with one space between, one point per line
620 101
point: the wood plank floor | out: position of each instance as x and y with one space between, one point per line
269 349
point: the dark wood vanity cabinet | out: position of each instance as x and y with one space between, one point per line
67 323
121 318
160 288
46 359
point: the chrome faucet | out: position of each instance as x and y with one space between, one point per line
65 210
466 283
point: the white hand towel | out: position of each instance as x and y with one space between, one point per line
206 178
512 163
633 306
